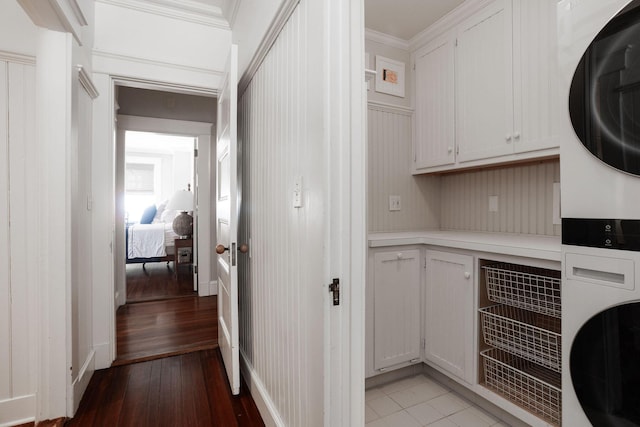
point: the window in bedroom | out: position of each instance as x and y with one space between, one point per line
156 166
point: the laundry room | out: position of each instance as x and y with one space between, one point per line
483 201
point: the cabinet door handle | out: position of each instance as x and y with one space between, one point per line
467 275
450 150
516 135
508 137
399 255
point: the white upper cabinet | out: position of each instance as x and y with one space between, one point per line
536 98
500 105
434 103
484 95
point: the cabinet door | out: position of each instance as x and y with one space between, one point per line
396 307
434 142
484 100
449 313
535 75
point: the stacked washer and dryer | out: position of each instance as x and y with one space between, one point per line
599 42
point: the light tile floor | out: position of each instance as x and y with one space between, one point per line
421 401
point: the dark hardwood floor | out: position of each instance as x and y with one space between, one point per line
153 329
155 280
185 390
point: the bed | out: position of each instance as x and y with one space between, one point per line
152 239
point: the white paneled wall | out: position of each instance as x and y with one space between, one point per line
389 151
18 241
525 199
280 284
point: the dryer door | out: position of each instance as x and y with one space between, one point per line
605 366
604 99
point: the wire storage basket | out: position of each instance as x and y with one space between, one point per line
531 288
532 336
524 383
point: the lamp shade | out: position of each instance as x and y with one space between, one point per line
182 201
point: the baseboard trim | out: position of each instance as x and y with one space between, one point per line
207 289
102 355
261 397
81 383
18 410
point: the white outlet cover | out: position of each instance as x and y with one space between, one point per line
394 203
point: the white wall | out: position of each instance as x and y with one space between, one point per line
18 243
525 199
250 20
158 46
281 290
17 32
374 48
389 159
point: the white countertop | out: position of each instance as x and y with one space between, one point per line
525 245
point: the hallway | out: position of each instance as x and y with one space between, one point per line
185 390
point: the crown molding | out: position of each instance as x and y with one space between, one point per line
184 10
86 82
448 21
386 39
17 58
230 11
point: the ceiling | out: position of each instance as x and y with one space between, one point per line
405 18
216 3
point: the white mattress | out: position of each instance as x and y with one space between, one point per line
150 240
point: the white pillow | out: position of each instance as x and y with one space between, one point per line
168 216
159 211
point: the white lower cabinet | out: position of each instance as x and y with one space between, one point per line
449 313
396 308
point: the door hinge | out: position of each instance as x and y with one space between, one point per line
456 42
335 288
195 152
424 343
195 269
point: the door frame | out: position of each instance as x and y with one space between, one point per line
107 352
198 131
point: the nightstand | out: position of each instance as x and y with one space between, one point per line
182 257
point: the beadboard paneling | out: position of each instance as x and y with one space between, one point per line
525 199
18 242
280 302
389 151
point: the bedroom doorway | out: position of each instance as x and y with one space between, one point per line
159 175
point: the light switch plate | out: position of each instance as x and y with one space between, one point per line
394 203
297 192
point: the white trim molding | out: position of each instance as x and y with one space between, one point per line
230 11
192 79
282 16
17 58
259 393
184 10
58 15
86 82
383 106
386 39
17 410
447 22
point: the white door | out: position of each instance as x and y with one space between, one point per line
396 286
227 220
196 213
449 313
